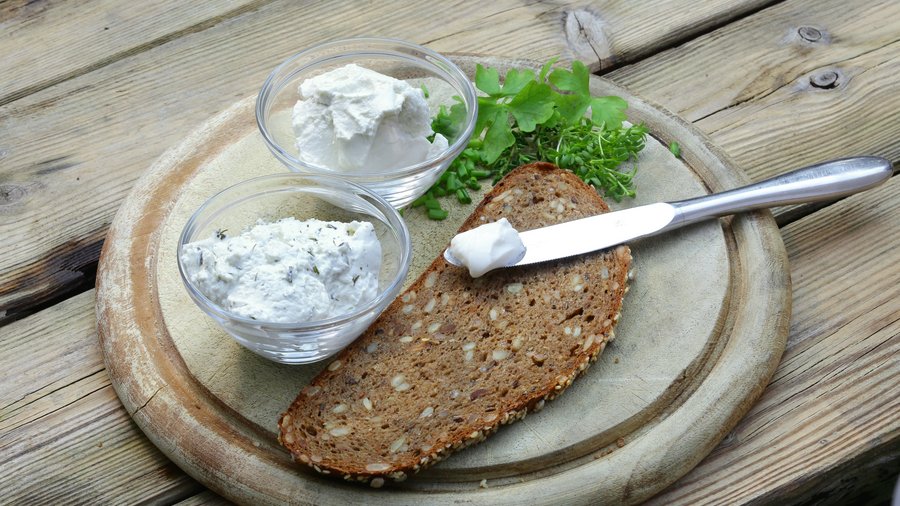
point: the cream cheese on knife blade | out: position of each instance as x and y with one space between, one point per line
487 247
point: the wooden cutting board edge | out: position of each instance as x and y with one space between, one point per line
155 391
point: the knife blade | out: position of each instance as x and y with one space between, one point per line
824 181
594 233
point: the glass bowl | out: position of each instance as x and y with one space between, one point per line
326 198
401 60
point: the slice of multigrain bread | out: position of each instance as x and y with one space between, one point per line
453 358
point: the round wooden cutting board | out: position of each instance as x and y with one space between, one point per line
701 332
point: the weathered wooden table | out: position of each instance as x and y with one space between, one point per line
92 92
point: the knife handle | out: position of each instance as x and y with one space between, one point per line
823 181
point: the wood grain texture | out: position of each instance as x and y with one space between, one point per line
64 435
61 180
219 445
836 395
610 34
90 35
206 498
139 142
794 84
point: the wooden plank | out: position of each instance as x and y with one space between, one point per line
206 498
71 152
609 34
89 35
835 397
64 435
867 479
761 87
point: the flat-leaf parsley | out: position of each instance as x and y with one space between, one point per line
532 117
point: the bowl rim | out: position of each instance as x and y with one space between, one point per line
393 220
369 46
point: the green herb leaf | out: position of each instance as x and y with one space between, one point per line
675 149
571 107
449 121
516 80
532 105
487 80
608 111
576 81
497 137
546 69
488 111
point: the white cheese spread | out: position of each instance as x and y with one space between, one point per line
485 248
289 270
356 119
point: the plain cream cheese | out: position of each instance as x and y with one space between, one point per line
355 119
485 248
289 270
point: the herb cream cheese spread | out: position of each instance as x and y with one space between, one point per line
355 119
289 270
488 247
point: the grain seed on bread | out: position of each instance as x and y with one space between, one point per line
453 358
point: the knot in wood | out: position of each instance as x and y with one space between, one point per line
10 193
825 80
810 34
585 33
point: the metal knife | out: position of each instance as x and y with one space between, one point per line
824 181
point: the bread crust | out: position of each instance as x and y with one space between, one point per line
541 326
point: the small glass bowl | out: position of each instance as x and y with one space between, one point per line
303 197
395 58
